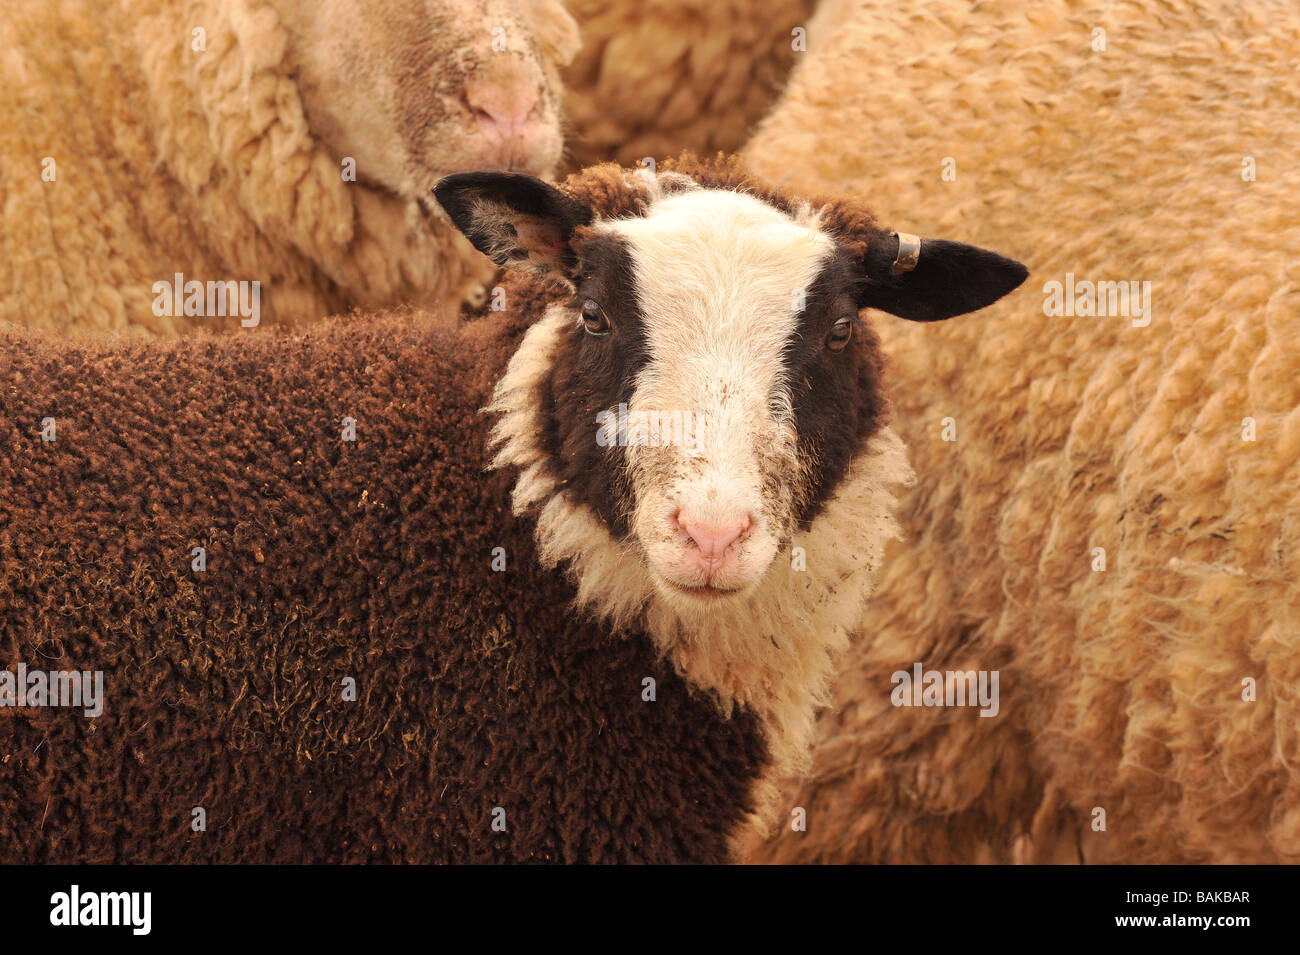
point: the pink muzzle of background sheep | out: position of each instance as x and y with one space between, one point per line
506 111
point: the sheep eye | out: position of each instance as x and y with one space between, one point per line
594 319
840 334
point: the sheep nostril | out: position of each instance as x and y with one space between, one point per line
474 112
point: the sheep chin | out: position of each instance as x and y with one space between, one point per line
692 601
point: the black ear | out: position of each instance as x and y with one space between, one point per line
927 280
515 220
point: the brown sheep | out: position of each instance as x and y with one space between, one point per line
340 615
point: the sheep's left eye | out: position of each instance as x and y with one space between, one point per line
594 319
840 334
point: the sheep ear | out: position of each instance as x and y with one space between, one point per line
928 280
515 220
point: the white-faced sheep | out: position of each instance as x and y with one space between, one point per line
146 144
333 603
1109 504
656 77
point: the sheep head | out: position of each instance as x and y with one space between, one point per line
711 377
417 89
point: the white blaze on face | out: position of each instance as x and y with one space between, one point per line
717 276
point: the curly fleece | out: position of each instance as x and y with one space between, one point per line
1122 689
326 559
231 185
657 77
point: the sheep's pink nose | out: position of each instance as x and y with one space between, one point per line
504 108
714 538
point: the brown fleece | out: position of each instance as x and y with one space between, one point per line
325 560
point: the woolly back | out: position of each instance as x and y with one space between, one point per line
1137 409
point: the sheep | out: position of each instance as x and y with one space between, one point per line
341 615
1115 527
658 77
152 151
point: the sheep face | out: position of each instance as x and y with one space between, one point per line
708 379
696 320
416 89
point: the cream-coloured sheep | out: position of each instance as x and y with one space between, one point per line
659 76
1116 526
281 142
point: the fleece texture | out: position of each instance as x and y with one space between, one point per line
657 77
510 653
1169 157
165 160
476 689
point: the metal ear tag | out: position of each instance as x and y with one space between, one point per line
909 253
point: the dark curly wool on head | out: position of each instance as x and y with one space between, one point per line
326 559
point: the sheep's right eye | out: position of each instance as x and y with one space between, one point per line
594 319
840 334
